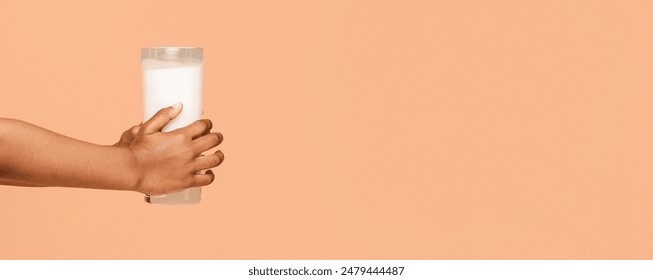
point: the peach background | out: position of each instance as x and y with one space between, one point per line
353 129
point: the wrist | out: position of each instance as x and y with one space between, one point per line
132 171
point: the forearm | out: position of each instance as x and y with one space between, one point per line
8 182
38 156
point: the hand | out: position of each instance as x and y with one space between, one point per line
168 161
128 136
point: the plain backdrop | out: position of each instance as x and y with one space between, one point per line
353 129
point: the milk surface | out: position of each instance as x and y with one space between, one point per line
166 83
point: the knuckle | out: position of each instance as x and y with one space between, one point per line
147 125
187 152
180 136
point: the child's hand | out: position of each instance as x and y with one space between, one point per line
171 161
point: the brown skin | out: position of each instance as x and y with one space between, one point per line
145 159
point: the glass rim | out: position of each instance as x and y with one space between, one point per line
170 48
162 51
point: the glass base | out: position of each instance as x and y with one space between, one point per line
188 196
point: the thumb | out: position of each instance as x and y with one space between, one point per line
161 119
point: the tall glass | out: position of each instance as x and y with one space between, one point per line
171 75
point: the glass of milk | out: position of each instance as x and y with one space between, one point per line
171 75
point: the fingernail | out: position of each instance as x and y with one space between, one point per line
209 172
176 106
220 155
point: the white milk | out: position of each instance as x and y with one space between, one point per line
164 84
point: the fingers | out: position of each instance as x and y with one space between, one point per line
209 161
161 119
197 128
203 179
207 142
